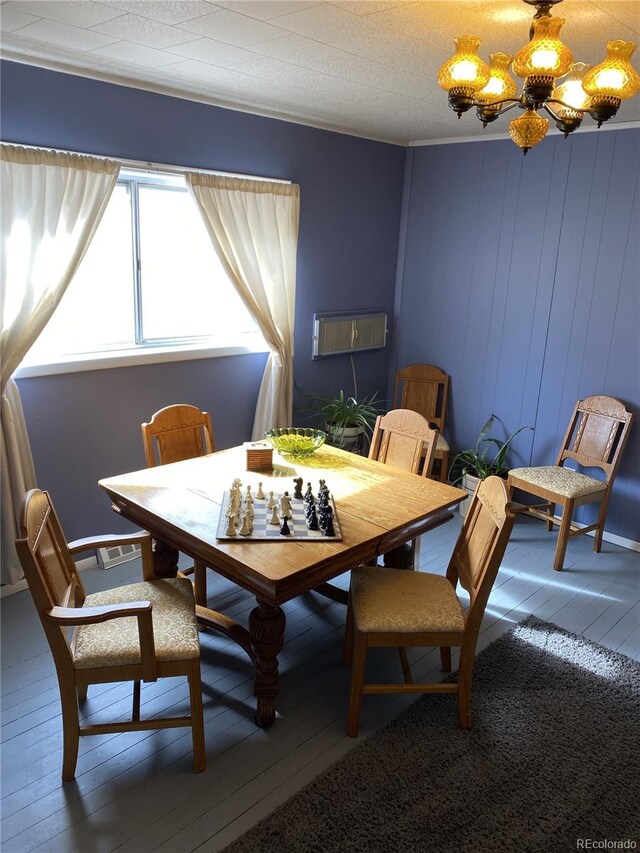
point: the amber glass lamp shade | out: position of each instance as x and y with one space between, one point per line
545 54
528 129
500 84
615 76
465 70
571 91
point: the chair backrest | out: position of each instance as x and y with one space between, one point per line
424 389
402 438
49 568
481 544
176 433
597 434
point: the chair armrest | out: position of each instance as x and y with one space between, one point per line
108 540
94 615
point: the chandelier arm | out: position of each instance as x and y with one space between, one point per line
513 102
563 104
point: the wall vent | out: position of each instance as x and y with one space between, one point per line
113 556
334 334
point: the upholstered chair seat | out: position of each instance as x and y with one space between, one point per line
116 643
562 481
392 600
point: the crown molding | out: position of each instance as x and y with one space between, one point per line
492 137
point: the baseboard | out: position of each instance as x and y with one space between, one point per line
18 586
622 541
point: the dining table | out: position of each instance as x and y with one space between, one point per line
378 510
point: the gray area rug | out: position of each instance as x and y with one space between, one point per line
552 758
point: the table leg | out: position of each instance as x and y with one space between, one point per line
165 560
266 627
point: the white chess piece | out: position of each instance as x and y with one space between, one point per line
247 527
260 493
271 502
274 516
285 505
249 511
231 524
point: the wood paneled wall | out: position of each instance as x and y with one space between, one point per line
521 279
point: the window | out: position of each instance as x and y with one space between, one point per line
150 284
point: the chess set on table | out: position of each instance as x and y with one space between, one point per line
266 515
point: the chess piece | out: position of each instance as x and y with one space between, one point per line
271 502
308 495
260 493
274 516
297 492
231 524
328 528
249 497
312 518
285 505
247 526
249 512
284 530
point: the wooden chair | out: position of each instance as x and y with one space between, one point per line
404 439
140 632
595 438
388 607
173 434
424 389
176 433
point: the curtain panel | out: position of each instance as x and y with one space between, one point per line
51 205
253 226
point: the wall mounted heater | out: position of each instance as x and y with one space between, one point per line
334 334
113 556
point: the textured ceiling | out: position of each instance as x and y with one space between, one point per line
365 67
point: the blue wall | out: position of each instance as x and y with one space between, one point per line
84 426
521 279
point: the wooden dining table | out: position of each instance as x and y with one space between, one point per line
378 509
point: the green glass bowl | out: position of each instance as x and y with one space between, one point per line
296 441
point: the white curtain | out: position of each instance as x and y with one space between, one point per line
51 205
254 229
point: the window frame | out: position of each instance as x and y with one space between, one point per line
154 351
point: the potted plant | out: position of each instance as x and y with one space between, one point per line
488 457
346 419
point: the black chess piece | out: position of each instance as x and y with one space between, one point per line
284 530
297 492
312 517
323 517
328 529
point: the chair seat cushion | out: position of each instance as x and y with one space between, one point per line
442 444
116 643
561 481
403 601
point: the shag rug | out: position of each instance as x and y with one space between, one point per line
551 764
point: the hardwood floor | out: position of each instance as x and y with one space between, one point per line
136 792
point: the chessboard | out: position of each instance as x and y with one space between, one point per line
262 528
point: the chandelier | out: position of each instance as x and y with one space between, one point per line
597 90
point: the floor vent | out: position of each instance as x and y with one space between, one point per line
109 557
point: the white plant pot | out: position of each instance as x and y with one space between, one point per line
348 438
469 484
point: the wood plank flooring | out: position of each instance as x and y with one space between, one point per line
135 792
